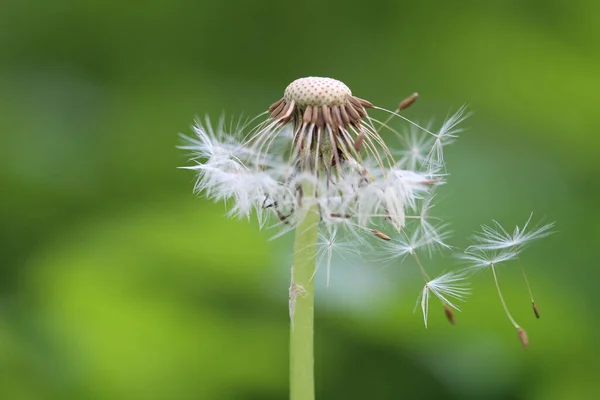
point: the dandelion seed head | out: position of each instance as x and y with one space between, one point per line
319 145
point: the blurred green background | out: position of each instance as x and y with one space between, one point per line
117 283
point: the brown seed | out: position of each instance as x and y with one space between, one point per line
288 110
320 118
449 314
315 115
381 235
359 141
327 115
278 110
283 218
354 115
307 115
345 116
361 111
523 338
365 103
535 310
339 215
354 101
407 102
337 118
275 105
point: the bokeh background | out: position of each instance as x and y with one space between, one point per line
117 283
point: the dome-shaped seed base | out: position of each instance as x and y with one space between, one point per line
315 91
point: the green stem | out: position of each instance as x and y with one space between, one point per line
302 299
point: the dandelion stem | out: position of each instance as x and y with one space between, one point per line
302 303
502 299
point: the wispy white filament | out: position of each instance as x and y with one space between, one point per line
496 237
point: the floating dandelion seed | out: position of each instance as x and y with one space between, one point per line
497 238
447 287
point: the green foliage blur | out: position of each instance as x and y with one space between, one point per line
116 282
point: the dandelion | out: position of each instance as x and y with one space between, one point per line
316 163
497 238
317 146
